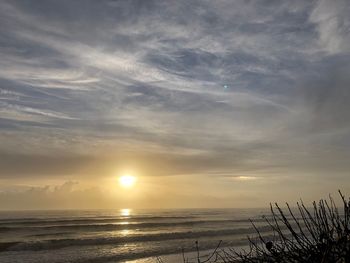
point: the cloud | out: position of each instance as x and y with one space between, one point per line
61 196
333 24
238 88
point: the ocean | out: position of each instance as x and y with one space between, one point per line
121 235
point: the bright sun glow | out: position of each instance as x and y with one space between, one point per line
127 181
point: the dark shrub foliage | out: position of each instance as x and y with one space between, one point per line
317 234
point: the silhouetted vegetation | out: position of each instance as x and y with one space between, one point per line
317 234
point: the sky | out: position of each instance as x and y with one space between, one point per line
207 103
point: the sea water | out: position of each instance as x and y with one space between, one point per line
121 235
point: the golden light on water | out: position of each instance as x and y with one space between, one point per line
125 232
125 212
127 181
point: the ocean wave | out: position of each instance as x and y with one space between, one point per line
61 243
110 227
38 221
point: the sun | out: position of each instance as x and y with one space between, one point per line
127 181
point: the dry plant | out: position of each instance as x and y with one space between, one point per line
317 234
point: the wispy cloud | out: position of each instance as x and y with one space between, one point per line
230 86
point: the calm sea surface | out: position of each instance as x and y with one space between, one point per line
119 235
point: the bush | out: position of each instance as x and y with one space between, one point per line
318 234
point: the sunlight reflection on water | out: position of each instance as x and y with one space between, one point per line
125 232
125 212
